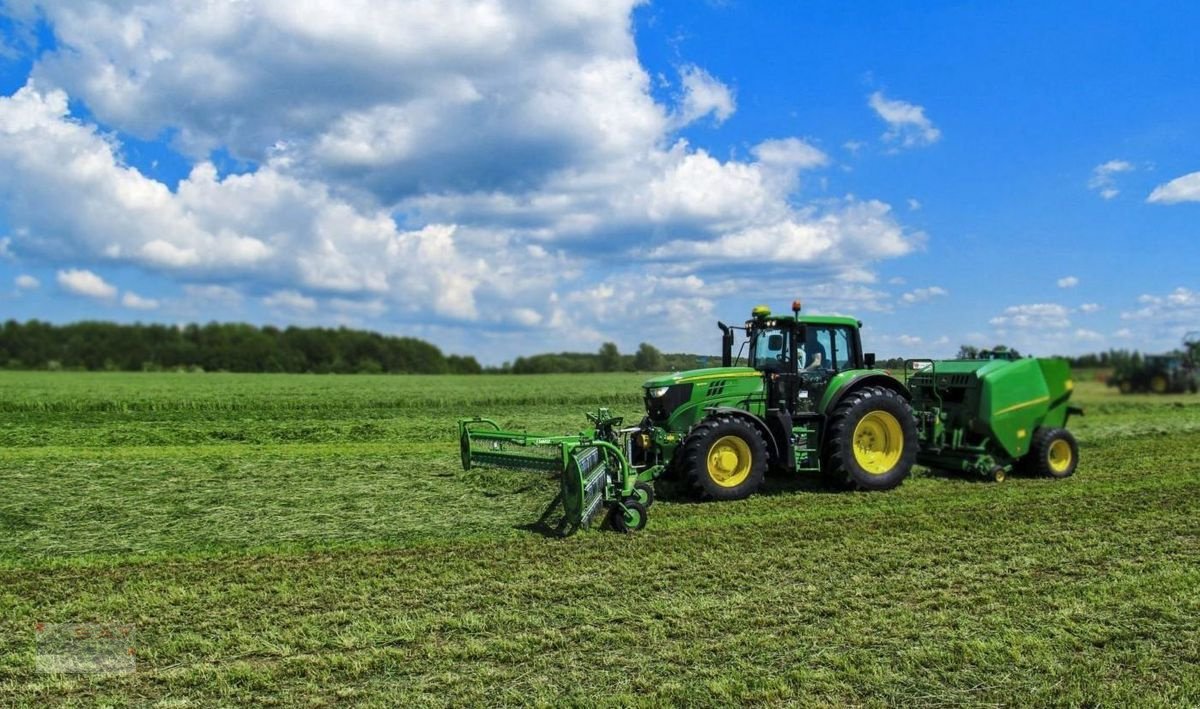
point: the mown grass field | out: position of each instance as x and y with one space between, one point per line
312 541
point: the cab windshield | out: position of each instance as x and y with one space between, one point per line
769 350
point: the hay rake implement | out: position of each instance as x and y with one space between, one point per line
593 469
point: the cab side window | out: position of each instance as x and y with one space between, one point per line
845 357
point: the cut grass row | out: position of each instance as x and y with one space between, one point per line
372 570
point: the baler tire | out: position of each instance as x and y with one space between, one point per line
1042 449
1125 387
630 519
698 448
884 405
1193 387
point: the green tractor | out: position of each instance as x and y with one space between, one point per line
1173 373
807 401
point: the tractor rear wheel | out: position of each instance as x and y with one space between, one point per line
1053 452
872 439
724 458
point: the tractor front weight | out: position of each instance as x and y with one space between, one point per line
593 469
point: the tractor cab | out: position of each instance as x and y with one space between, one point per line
798 356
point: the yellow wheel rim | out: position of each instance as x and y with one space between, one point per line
1159 384
729 461
878 442
1060 456
1126 387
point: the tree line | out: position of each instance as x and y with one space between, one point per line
229 347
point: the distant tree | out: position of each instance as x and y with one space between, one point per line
610 357
647 358
967 352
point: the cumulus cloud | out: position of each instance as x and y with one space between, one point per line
468 161
1179 306
1067 282
908 126
703 95
26 282
1181 189
1103 179
921 295
290 300
83 282
1036 315
1090 308
136 302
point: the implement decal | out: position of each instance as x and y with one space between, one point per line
1014 407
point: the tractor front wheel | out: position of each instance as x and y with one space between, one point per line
725 458
1053 452
872 440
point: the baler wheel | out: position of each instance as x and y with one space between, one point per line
1158 384
998 474
724 458
1126 386
1054 452
630 519
644 493
872 439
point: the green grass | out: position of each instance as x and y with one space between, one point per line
300 540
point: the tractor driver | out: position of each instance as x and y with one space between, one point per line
814 353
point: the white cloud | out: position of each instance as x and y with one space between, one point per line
290 300
1181 189
223 295
1036 315
1067 282
1088 335
5 247
1090 308
908 127
1180 306
921 295
85 283
462 161
913 204
703 95
1102 178
909 340
27 282
791 153
137 302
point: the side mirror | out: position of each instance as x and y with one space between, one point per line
869 358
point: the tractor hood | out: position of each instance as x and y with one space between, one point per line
699 375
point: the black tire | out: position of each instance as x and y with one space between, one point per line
889 423
1047 451
726 477
1192 386
630 519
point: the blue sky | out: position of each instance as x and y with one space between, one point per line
509 178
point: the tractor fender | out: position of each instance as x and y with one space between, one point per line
840 387
758 423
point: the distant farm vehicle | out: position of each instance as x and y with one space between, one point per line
810 401
1173 373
